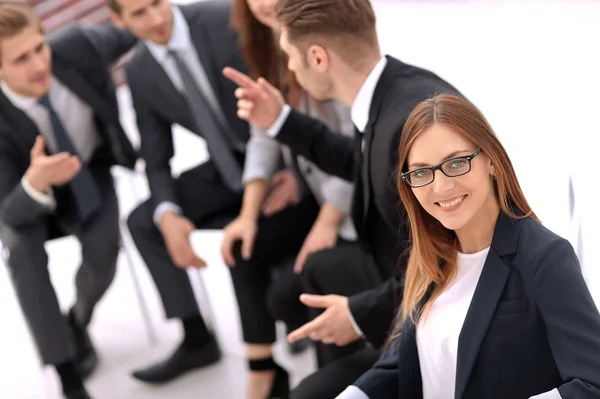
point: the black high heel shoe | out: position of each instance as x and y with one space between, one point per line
281 384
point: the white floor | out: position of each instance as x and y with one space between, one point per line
531 66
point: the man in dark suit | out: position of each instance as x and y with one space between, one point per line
175 78
334 51
59 136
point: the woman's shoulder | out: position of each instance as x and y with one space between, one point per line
538 246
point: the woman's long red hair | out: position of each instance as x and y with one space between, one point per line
433 245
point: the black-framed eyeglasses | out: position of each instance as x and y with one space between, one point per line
452 167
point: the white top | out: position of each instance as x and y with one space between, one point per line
181 42
437 335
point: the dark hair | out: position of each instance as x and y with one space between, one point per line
114 6
261 52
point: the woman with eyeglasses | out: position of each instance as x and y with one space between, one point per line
494 305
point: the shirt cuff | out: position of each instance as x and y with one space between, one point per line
165 207
553 394
39 197
352 392
355 326
273 131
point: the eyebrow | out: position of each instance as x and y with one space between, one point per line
447 157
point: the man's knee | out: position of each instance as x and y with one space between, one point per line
140 221
319 265
23 249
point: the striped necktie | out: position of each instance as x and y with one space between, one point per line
221 149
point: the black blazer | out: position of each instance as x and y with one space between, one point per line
376 211
81 59
532 326
158 103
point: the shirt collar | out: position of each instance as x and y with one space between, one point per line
18 100
180 37
362 104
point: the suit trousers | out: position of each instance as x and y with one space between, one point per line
331 380
343 270
208 203
260 301
27 261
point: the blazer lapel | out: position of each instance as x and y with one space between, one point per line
26 130
485 300
167 96
366 168
387 77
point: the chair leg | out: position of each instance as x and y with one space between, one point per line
207 313
139 293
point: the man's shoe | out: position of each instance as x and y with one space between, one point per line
86 357
79 394
180 362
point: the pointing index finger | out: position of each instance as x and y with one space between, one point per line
239 78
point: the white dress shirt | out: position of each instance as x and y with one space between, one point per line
181 41
76 116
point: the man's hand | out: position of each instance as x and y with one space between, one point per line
333 326
241 229
284 192
50 170
322 236
258 101
176 232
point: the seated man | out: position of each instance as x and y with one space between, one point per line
175 78
59 136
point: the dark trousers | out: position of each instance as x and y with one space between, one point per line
331 380
279 238
207 202
344 270
27 261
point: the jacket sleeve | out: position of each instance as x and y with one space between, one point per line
111 42
332 152
375 310
572 320
17 208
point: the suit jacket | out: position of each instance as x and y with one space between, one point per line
81 59
376 211
158 103
532 326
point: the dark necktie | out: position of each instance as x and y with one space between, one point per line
83 186
220 140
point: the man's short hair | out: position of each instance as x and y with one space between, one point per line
14 18
114 6
345 25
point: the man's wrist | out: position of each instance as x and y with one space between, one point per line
36 183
